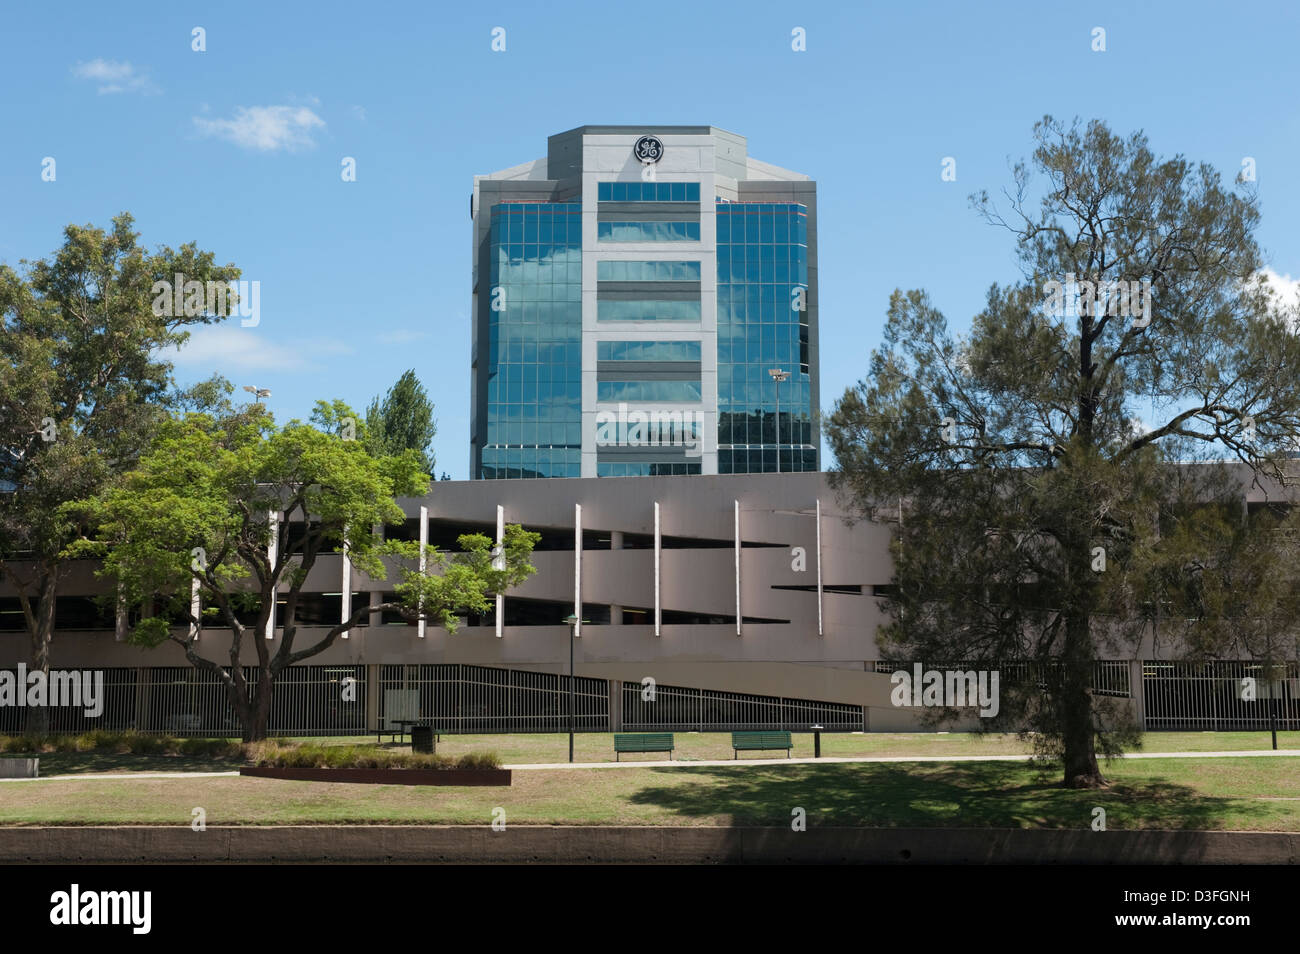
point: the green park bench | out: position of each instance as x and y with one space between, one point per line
760 741
642 742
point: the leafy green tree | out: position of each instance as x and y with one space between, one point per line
1029 463
1234 592
196 512
83 382
403 421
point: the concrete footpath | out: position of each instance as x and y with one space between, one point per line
579 844
826 759
706 763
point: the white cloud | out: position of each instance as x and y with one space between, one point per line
1285 288
1285 292
115 77
265 128
329 346
232 349
359 112
401 336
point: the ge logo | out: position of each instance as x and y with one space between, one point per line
648 149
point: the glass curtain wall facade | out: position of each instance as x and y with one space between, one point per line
534 356
762 281
699 264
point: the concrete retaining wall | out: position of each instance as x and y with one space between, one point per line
20 768
384 776
577 844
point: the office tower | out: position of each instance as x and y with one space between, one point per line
644 303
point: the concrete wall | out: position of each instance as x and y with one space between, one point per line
645 844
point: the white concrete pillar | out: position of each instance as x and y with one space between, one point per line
501 599
196 606
577 569
820 631
739 615
345 602
659 613
272 553
422 625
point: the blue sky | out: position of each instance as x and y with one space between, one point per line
239 147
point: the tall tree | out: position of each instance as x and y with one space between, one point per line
82 384
403 421
1030 461
196 512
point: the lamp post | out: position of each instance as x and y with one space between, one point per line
573 622
778 375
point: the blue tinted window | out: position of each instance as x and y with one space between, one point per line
646 468
533 353
648 231
648 191
648 351
762 260
648 310
648 391
627 271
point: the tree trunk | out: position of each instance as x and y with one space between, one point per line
1077 737
1077 731
37 718
258 712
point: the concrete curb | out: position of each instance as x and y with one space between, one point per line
590 844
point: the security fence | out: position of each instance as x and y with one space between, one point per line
668 708
182 700
457 698
119 705
1220 695
462 698
454 698
1110 677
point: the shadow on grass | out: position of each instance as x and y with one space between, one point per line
81 763
967 795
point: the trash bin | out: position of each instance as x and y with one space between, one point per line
421 738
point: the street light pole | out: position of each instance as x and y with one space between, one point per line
573 621
572 639
778 375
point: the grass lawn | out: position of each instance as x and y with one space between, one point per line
1235 794
599 747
